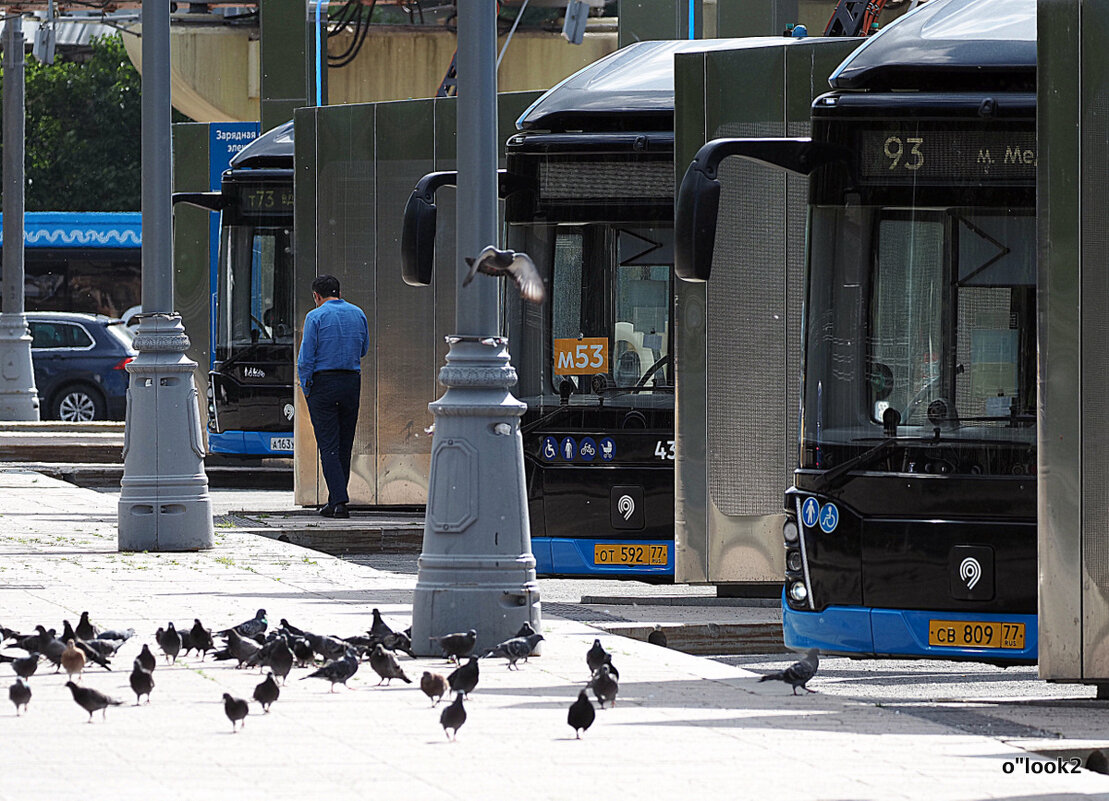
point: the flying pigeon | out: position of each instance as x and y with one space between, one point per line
453 717
799 673
91 700
581 714
517 266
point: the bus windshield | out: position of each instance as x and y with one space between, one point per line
946 297
610 311
254 295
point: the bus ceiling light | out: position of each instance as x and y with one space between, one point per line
789 531
798 591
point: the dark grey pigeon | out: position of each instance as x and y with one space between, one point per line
267 692
24 666
201 638
85 630
116 634
36 642
142 682
458 645
605 686
385 664
91 700
329 648
241 648
453 717
582 714
250 628
464 678
279 658
398 641
516 649
146 659
169 641
517 266
302 650
285 624
105 648
799 673
337 672
525 630
236 710
611 667
595 656
20 695
380 629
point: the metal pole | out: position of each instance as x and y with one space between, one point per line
164 503
18 396
476 569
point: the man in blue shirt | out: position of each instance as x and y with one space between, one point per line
336 337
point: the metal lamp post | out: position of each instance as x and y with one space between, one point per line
164 503
18 396
476 569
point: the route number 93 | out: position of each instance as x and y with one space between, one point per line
665 450
904 153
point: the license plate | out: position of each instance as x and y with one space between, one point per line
615 554
975 634
281 443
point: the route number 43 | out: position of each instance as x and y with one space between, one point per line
665 450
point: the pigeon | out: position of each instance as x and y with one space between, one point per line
142 682
338 671
24 666
267 692
604 686
380 629
116 634
581 714
146 659
249 628
91 700
525 630
518 266
201 638
385 664
104 648
276 656
329 648
186 636
799 673
515 649
398 641
20 694
595 656
453 717
236 710
169 641
36 642
240 648
73 659
285 624
434 686
464 678
85 630
302 650
457 645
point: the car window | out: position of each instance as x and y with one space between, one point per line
122 333
47 335
79 337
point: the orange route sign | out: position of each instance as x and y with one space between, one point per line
584 356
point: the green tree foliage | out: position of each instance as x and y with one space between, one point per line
83 132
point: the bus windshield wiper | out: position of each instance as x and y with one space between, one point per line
838 475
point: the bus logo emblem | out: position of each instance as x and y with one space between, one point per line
970 571
626 506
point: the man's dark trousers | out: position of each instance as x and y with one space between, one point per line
333 407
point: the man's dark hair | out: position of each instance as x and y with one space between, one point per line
326 286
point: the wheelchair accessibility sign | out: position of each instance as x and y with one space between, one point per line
813 515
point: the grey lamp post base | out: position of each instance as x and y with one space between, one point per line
164 504
18 397
477 570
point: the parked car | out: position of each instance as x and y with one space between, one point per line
80 362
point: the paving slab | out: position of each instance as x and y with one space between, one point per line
683 726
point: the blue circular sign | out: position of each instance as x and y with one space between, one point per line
608 449
549 449
829 518
587 449
810 512
567 448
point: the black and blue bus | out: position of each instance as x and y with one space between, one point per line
911 528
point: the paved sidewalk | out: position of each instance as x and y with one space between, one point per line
684 727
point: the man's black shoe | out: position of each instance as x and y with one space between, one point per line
340 511
327 510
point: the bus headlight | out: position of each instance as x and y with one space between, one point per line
798 591
789 531
793 561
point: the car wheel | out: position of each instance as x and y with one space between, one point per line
78 403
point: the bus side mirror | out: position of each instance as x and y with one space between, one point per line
417 240
213 201
698 201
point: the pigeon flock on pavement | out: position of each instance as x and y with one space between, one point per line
278 650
